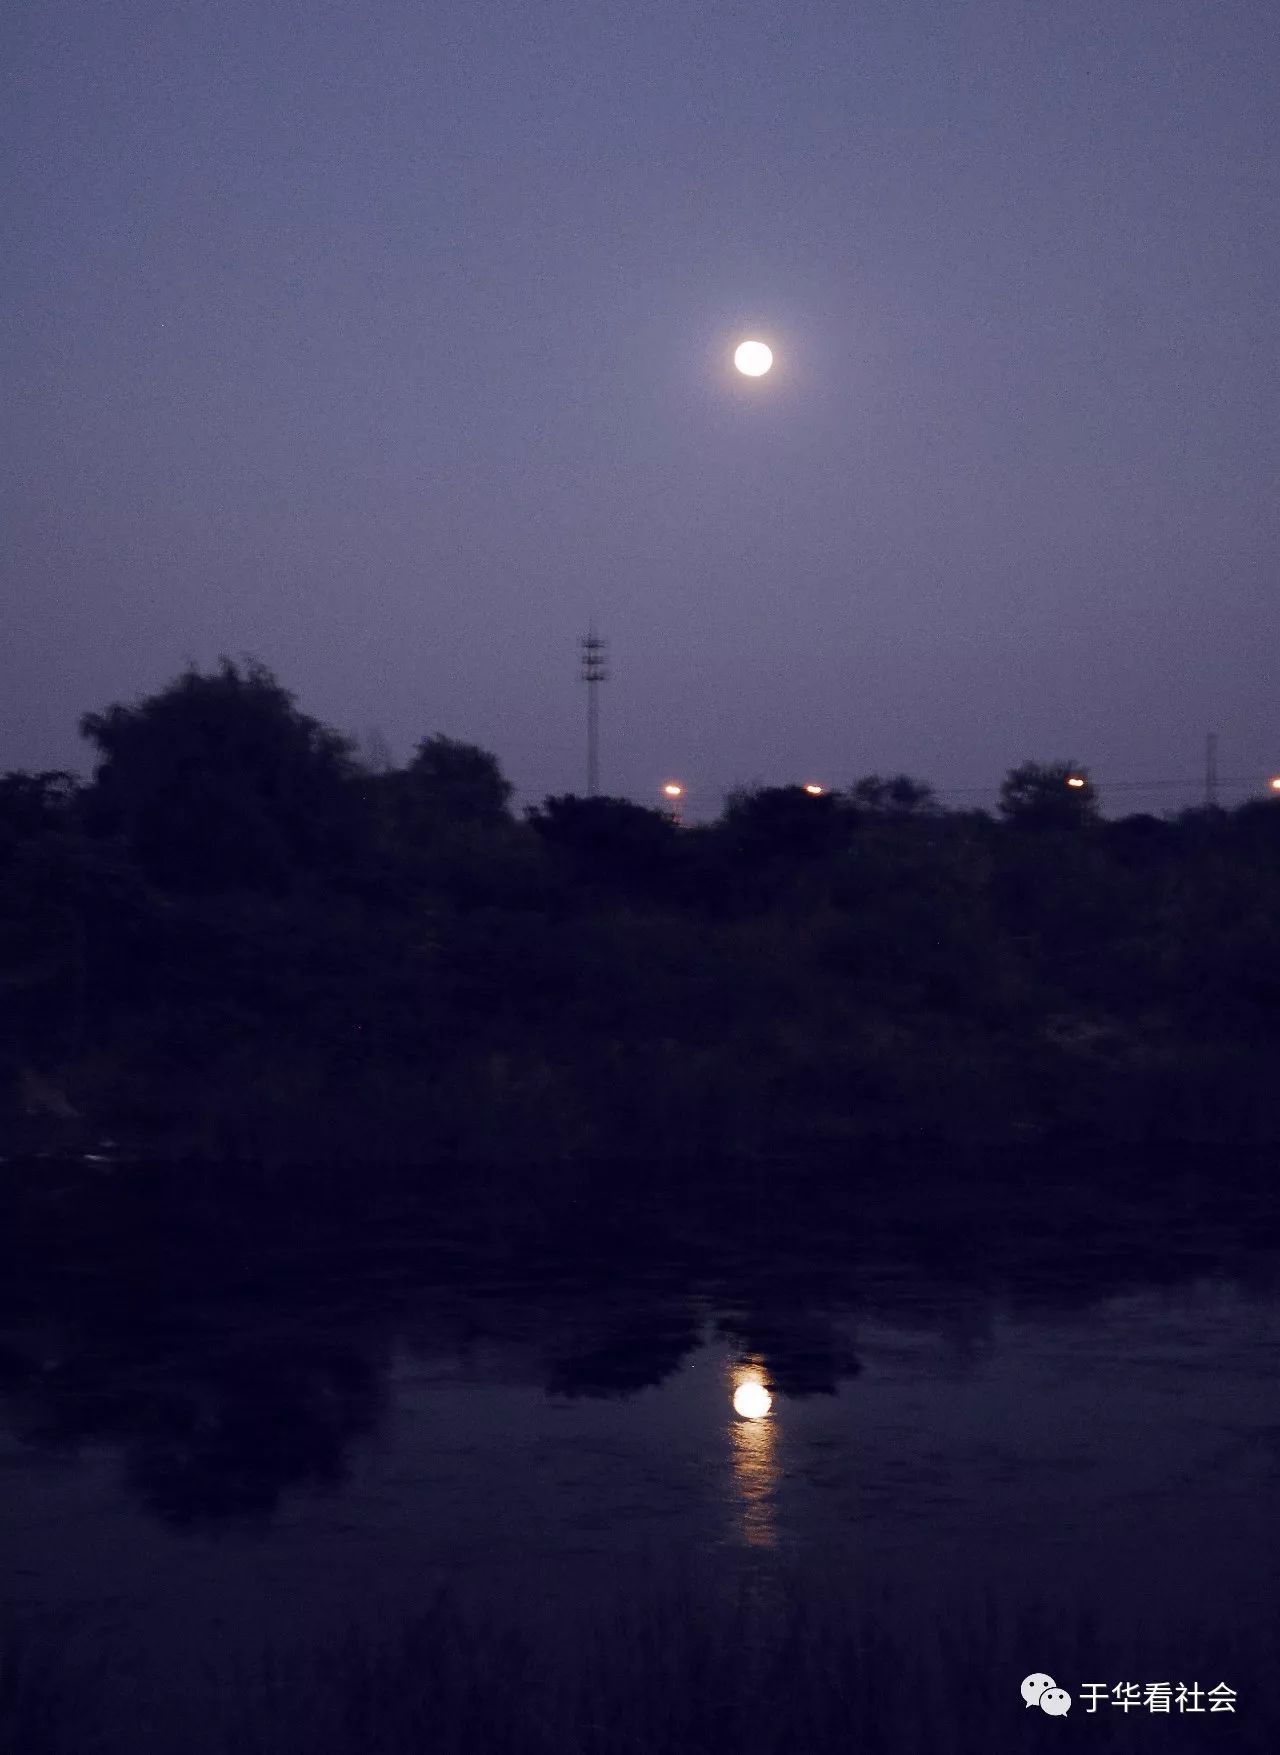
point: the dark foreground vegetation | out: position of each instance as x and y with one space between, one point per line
242 940
763 1670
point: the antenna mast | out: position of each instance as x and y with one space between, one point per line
595 670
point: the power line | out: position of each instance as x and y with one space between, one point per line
1187 785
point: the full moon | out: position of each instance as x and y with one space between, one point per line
753 359
752 1401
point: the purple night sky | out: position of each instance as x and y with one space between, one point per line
390 342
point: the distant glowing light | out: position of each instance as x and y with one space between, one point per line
814 790
753 359
1074 780
1274 783
673 790
752 1400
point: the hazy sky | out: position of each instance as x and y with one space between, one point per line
389 342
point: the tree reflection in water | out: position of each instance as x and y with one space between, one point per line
203 1439
638 1349
232 1371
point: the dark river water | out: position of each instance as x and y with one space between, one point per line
215 1437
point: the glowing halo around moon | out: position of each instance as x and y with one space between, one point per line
753 358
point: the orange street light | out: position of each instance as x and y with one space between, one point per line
814 791
1274 783
1074 780
673 792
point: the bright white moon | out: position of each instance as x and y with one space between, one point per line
753 359
752 1401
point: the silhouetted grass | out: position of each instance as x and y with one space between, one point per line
680 1672
51 1687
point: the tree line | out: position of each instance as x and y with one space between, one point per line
239 916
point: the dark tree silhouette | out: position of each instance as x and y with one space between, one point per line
1041 795
31 804
444 828
786 822
219 782
899 796
608 842
449 782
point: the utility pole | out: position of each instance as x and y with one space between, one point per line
595 670
1211 770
